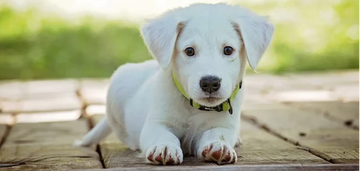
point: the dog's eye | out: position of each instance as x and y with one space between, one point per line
190 51
228 50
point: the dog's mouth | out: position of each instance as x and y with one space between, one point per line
210 101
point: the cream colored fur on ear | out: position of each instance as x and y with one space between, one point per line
256 32
160 37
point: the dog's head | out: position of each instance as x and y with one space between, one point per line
207 47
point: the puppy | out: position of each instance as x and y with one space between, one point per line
187 101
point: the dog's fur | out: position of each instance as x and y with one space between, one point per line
146 110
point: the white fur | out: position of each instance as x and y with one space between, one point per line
148 113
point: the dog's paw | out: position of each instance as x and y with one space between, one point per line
164 154
218 152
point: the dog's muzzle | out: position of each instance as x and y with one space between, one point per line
225 106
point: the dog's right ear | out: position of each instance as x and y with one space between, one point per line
255 31
160 37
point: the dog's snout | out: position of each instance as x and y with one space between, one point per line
210 83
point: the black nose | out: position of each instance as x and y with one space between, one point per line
210 83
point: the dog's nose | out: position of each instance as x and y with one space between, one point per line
210 83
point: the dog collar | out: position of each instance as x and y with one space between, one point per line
225 106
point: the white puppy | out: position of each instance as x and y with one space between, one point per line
187 102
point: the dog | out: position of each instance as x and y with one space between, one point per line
187 101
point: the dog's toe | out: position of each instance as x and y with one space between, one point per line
218 152
164 155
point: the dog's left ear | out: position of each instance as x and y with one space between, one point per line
256 32
160 37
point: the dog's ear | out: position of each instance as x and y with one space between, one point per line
256 32
160 37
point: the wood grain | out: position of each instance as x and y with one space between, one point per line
326 138
48 146
259 147
346 113
291 167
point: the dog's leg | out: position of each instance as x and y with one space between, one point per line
217 145
161 145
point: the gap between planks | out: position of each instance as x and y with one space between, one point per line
83 105
3 138
98 149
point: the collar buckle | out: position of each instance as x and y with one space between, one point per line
216 108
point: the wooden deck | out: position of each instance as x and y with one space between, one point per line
289 122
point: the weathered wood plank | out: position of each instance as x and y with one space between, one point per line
291 167
347 92
93 92
95 110
326 79
328 86
302 95
56 104
47 116
347 113
326 138
48 146
10 106
11 90
39 96
15 90
6 118
264 106
60 103
259 147
49 88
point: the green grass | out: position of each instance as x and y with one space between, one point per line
32 47
57 49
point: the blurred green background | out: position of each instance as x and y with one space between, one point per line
310 35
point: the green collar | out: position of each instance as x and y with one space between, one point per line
226 106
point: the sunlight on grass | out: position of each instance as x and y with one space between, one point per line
309 35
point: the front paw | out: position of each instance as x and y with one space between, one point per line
219 152
164 154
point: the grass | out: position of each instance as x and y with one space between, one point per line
56 49
32 47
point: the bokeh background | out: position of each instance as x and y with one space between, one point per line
47 39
